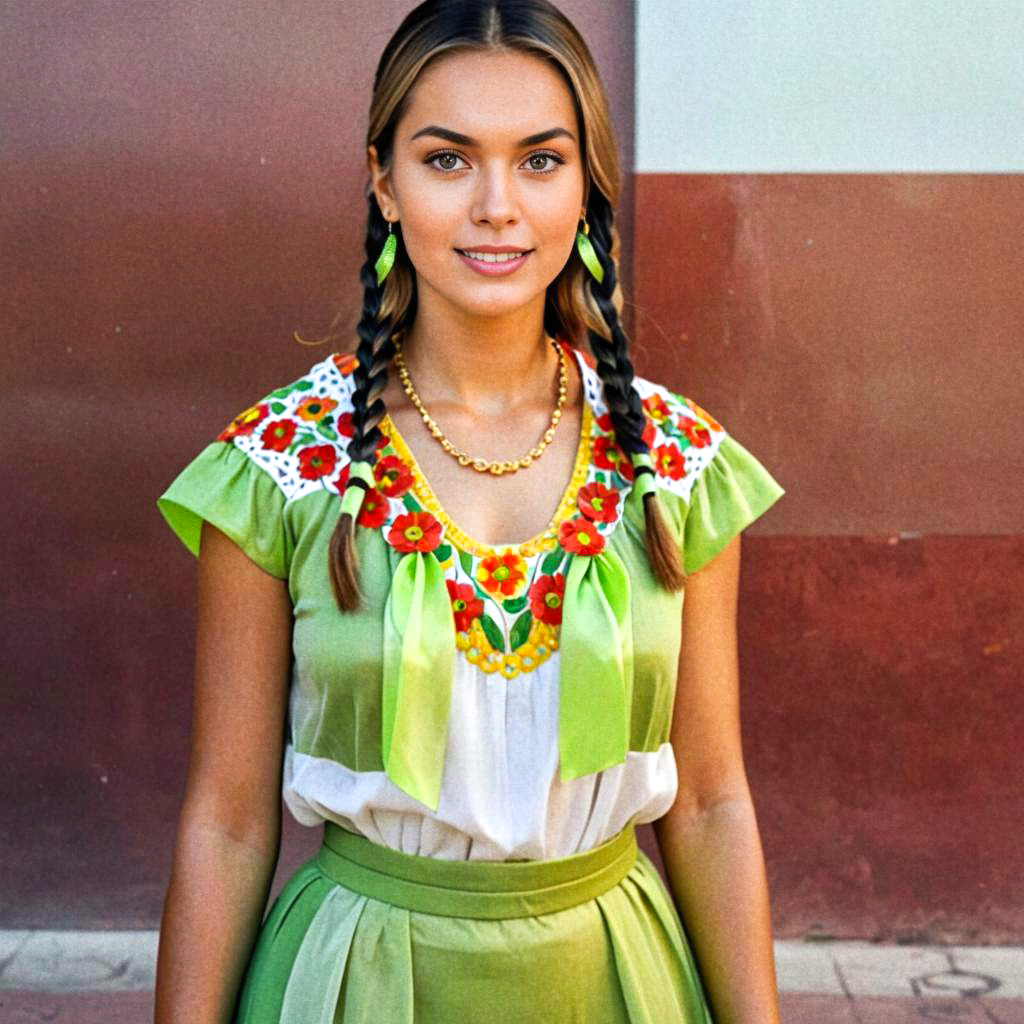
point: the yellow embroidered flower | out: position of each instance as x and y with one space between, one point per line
491 661
462 641
511 666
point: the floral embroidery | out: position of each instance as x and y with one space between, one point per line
466 606
314 409
317 461
416 531
598 503
502 574
245 422
393 476
506 602
546 599
581 537
375 510
668 460
278 435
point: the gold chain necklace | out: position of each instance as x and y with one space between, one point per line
485 465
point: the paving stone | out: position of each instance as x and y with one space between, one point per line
1005 963
69 961
876 970
806 967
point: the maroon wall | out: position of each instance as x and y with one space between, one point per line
863 335
182 188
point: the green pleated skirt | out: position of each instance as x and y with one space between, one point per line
363 934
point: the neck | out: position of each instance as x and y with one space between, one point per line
486 364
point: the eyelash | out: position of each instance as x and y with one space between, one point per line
451 152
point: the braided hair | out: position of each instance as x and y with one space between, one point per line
376 349
625 408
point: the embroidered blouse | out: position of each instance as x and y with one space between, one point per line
484 703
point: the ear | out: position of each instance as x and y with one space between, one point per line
380 180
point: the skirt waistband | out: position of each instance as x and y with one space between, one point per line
482 889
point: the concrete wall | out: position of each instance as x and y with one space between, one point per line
862 334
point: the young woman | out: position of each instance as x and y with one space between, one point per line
442 582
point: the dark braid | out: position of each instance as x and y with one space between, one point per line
625 407
374 353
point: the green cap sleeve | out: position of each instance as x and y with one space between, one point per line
728 496
223 486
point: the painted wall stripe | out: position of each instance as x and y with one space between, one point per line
830 85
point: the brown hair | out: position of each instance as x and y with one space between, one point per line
576 303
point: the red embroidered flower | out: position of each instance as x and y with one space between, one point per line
245 422
604 421
656 408
346 362
416 531
375 509
668 461
345 426
316 461
580 536
393 476
465 604
704 415
278 434
608 455
315 408
598 503
697 434
503 574
546 597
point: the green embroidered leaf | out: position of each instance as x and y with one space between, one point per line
329 420
326 430
521 630
552 562
303 385
277 407
304 439
444 552
493 633
600 478
410 502
515 604
466 561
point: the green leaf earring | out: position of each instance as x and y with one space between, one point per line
386 259
587 252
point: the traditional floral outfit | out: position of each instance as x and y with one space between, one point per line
482 737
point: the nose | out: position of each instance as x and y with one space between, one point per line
496 198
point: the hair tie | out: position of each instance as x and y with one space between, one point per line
360 480
644 474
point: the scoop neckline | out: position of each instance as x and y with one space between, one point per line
548 536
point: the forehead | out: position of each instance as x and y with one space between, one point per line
490 95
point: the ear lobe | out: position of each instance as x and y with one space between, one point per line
380 179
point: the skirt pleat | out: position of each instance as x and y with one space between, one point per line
327 954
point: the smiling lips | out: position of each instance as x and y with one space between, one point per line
493 260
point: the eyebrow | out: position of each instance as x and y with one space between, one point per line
464 140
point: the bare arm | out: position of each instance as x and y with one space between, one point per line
230 825
709 839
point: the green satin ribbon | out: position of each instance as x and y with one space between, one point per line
418 674
596 685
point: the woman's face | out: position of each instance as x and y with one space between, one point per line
486 166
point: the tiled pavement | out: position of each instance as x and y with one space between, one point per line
107 978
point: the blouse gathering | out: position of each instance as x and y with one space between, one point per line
485 703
